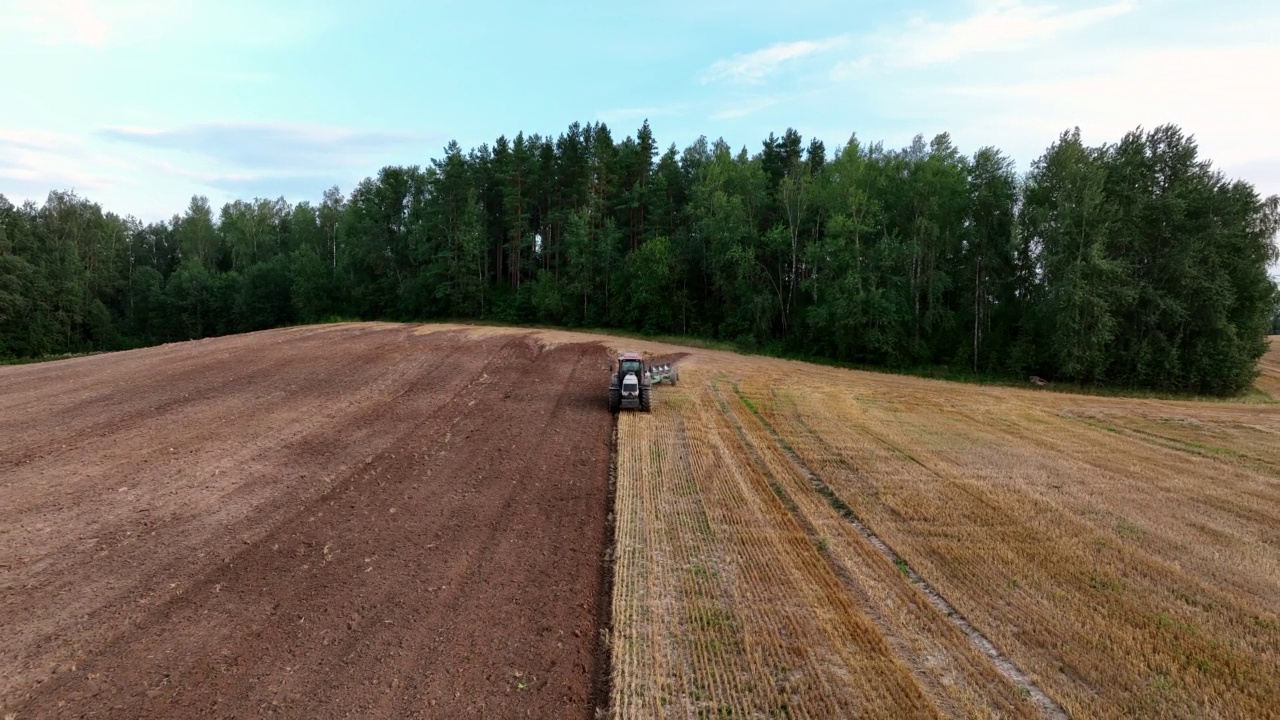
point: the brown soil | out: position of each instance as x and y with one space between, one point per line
349 521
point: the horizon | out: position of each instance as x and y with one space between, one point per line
140 105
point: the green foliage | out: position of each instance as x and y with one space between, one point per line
264 299
1067 221
653 295
1132 265
1151 267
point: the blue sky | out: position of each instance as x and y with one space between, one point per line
139 104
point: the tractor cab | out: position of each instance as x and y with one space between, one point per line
628 365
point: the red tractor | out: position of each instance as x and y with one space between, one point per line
630 386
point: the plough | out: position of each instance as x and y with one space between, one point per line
663 374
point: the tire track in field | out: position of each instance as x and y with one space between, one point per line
1081 610
880 682
1002 663
602 692
722 605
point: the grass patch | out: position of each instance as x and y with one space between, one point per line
699 570
746 401
655 456
1213 449
48 358
1193 446
1100 426
1105 584
1132 532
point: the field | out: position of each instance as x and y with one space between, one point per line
384 520
334 522
803 541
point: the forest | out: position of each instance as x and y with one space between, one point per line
1134 264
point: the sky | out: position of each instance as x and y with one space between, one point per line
140 104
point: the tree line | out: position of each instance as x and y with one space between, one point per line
1134 264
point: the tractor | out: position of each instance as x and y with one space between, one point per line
630 386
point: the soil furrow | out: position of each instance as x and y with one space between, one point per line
367 560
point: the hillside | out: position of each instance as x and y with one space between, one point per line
414 520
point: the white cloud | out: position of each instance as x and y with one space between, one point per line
754 67
89 23
1016 73
1217 93
59 22
100 24
996 26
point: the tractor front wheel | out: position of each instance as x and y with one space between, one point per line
615 401
644 399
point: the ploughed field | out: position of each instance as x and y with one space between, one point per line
397 521
324 522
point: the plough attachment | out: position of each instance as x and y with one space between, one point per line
663 375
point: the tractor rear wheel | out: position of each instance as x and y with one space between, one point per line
644 399
615 401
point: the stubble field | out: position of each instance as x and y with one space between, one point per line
803 541
388 521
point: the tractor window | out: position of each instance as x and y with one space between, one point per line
631 366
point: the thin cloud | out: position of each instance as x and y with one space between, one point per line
104 24
151 172
1209 91
291 187
147 177
1000 26
59 22
617 115
89 23
29 140
743 108
272 145
33 162
754 67
300 184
